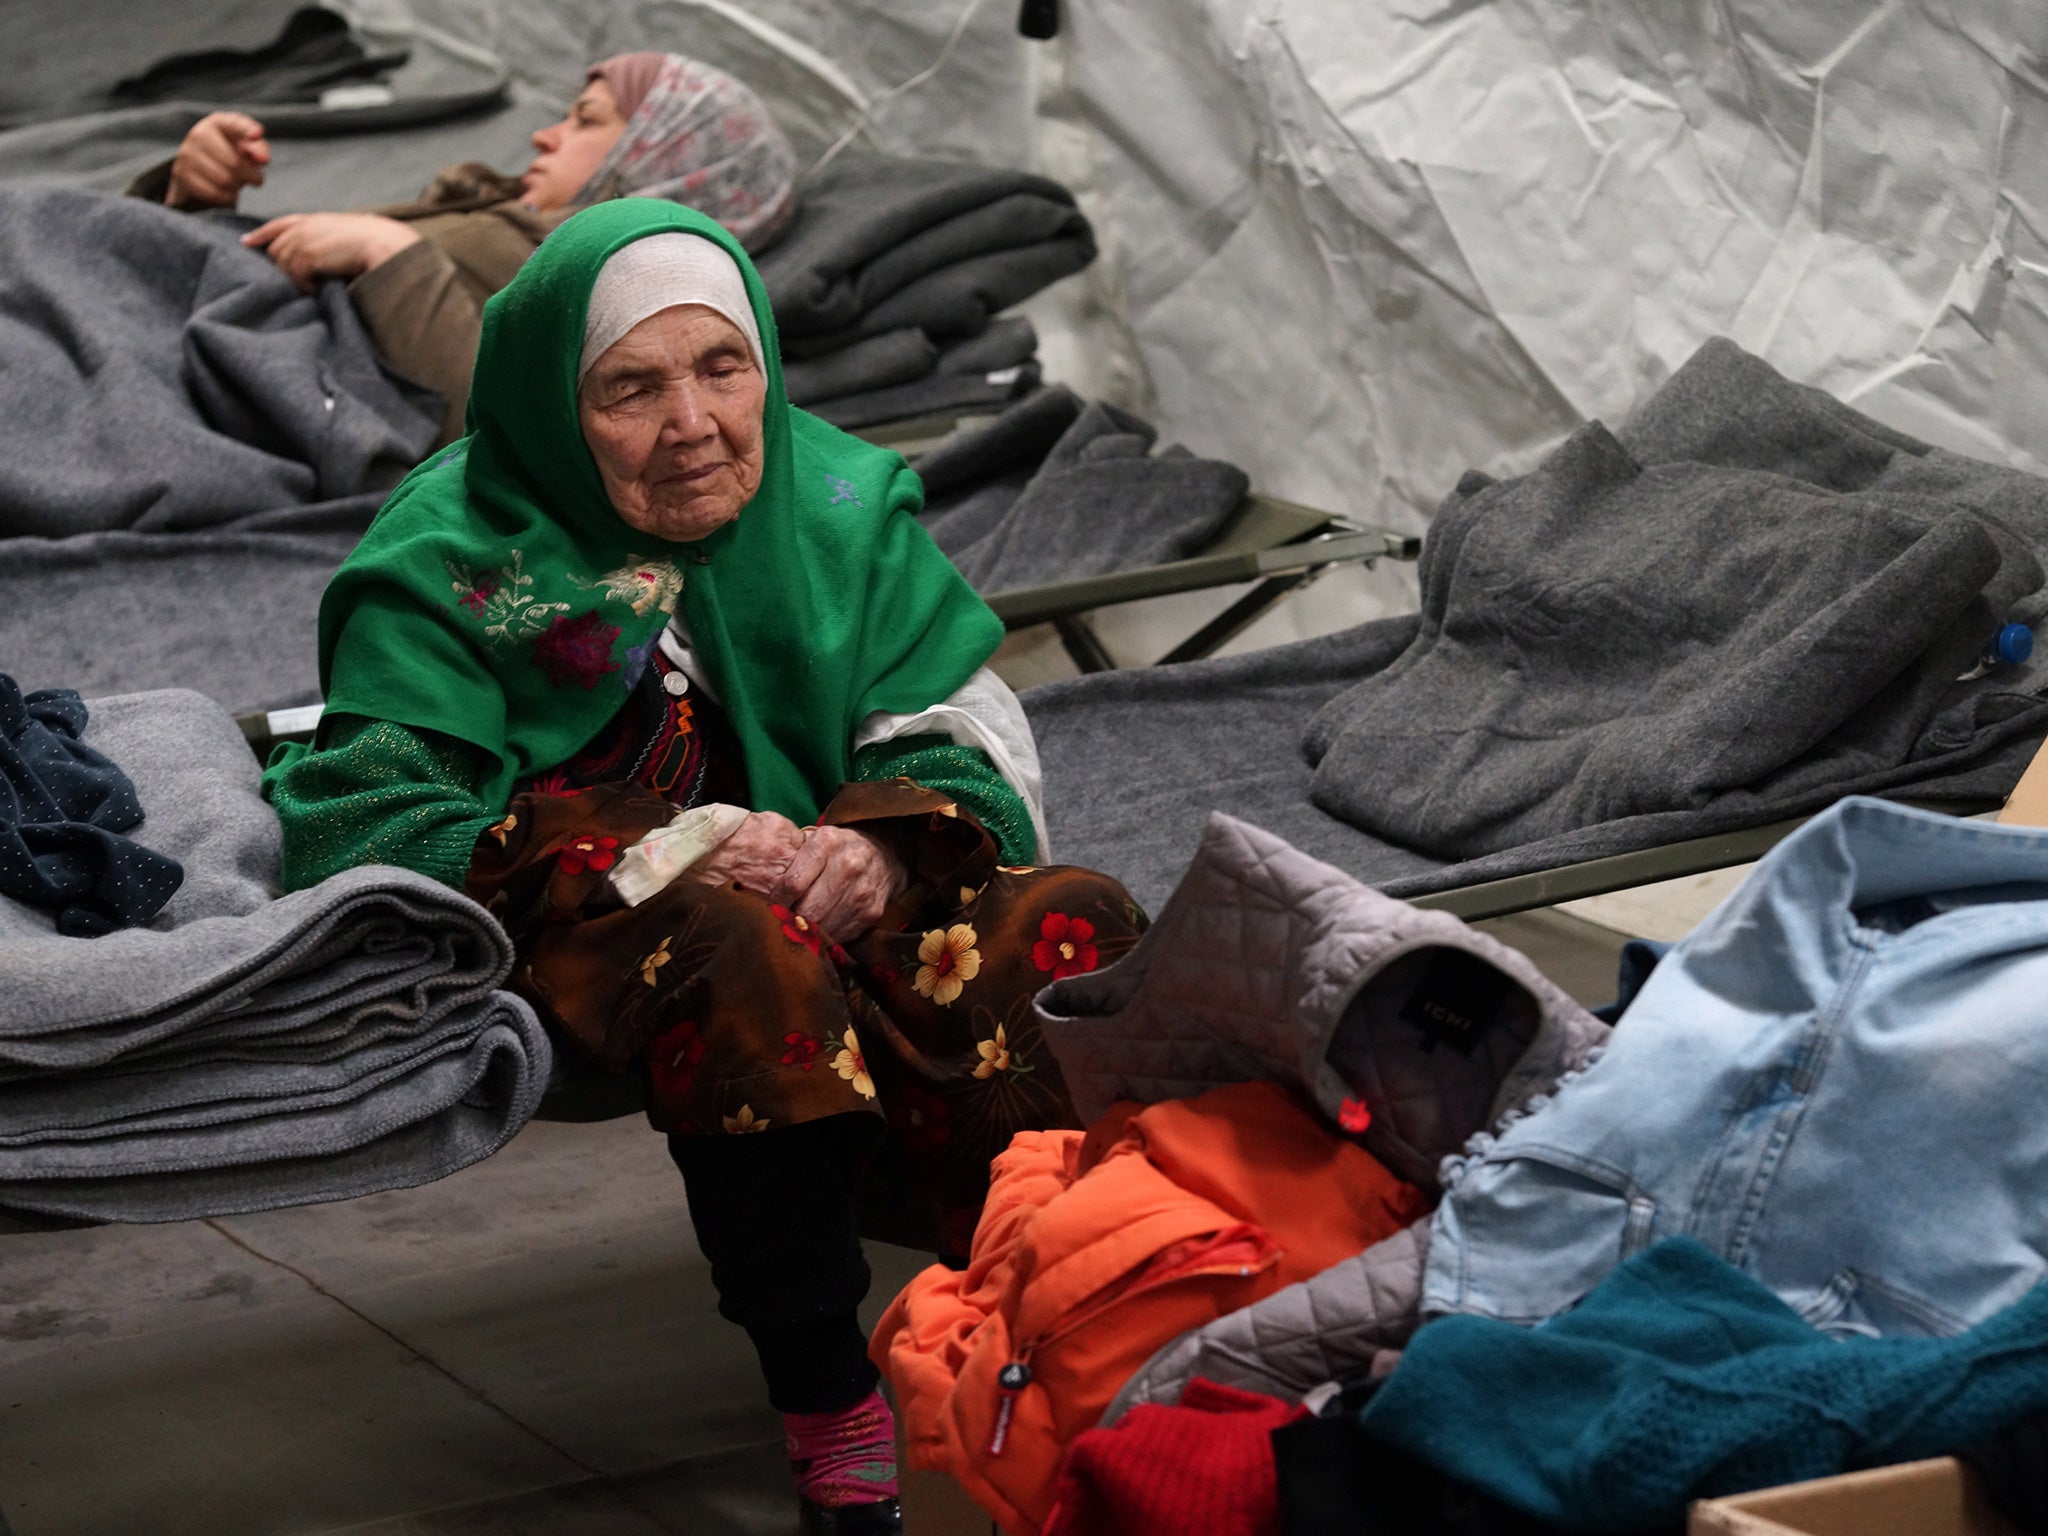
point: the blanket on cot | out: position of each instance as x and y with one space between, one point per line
1056 488
1748 603
160 376
188 447
245 1050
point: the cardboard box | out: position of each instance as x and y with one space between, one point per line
1919 1498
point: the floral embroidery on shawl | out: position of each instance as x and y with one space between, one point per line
643 585
576 651
499 597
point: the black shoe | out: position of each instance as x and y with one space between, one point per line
882 1517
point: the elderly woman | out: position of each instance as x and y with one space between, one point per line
668 675
646 125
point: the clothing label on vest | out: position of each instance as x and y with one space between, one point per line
1457 1001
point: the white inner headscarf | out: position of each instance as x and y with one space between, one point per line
661 272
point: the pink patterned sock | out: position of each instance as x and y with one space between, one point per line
847 1457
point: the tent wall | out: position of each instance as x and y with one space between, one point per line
1360 247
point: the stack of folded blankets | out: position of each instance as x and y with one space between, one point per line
239 1050
889 280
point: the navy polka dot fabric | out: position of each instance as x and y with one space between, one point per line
63 808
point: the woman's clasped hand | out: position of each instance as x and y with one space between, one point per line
838 879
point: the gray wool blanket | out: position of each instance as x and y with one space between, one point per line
161 377
1751 601
228 611
965 394
882 242
904 374
1653 637
248 1050
1055 488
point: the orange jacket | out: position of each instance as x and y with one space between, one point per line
1094 1251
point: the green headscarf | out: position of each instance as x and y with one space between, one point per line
499 598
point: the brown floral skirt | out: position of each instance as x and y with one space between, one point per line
743 1018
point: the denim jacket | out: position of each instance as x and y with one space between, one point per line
1839 1083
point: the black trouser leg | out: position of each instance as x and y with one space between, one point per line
774 1214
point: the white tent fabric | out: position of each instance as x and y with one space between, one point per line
1361 247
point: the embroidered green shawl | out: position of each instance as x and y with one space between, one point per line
499 599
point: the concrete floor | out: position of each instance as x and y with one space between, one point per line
529 1346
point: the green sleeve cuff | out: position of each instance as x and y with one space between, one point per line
373 792
966 773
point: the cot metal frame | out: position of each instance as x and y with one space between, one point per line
1645 866
1280 545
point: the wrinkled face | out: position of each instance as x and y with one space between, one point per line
569 151
672 414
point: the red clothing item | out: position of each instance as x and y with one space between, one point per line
1092 1253
1204 1468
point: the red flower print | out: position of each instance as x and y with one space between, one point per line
803 1049
590 851
921 1118
555 783
673 1059
1064 946
479 595
796 929
577 650
840 957
887 974
1353 1115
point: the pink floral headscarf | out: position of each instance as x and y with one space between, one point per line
696 136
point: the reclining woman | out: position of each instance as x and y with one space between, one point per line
650 618
646 124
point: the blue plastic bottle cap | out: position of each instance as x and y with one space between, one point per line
2015 643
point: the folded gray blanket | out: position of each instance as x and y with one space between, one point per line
249 1050
873 362
881 242
1753 601
936 393
160 376
866 377
1055 489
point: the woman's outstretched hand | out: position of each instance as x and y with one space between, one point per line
840 881
310 246
222 153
